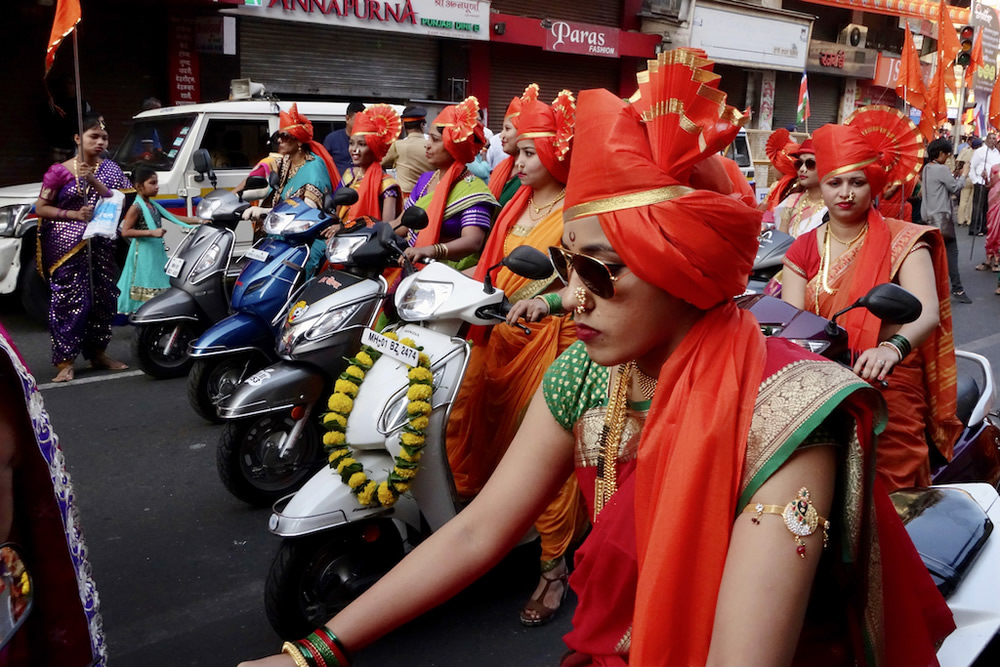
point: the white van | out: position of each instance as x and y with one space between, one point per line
739 151
236 134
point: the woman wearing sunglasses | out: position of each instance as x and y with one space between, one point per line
506 366
802 211
459 206
829 268
689 432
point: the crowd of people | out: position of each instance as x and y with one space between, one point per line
646 414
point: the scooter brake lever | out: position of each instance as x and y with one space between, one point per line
524 328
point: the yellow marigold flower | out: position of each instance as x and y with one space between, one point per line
418 408
345 463
333 438
332 418
401 487
367 494
356 372
25 584
390 334
385 495
424 360
420 374
420 423
357 479
414 458
419 392
341 403
405 473
336 454
365 358
411 439
346 387
408 342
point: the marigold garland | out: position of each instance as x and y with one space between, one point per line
411 440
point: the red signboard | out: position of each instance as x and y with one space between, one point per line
185 80
591 40
887 71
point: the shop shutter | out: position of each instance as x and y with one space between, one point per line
300 59
514 67
599 12
824 100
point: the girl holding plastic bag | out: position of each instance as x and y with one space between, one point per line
143 276
81 271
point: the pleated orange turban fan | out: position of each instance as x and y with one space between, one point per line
380 125
551 128
501 174
301 128
780 149
650 171
464 137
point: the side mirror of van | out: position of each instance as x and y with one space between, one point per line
203 165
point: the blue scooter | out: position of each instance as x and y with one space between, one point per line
240 345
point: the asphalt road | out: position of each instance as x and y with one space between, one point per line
180 564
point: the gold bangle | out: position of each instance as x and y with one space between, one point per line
801 518
889 343
444 251
291 649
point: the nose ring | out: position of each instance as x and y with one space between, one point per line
581 299
851 197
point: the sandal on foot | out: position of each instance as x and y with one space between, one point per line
540 613
65 373
983 267
104 362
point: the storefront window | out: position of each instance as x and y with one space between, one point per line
235 144
154 141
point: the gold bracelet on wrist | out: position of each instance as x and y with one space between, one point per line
444 251
891 345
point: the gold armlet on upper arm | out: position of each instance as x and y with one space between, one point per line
801 518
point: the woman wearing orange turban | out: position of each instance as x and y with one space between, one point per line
779 149
503 181
379 196
506 366
689 432
459 206
830 267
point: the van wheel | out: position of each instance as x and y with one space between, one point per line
34 292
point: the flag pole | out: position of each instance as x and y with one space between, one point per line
79 92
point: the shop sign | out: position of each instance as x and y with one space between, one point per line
184 80
887 71
766 40
841 60
461 19
216 34
986 21
591 40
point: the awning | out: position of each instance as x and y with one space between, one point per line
917 9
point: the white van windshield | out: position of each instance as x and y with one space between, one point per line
154 141
740 151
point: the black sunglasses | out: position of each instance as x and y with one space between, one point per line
282 136
810 164
597 276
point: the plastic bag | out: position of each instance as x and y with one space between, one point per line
107 213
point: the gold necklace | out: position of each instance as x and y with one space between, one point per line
647 384
852 241
606 482
542 211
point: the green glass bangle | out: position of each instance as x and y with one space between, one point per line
303 647
339 645
320 647
900 341
554 302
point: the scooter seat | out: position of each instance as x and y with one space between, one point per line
969 394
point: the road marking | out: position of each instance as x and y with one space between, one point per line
99 378
983 343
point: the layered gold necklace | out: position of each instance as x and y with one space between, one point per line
825 260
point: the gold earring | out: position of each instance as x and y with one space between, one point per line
581 299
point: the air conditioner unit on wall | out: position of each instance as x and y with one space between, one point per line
854 34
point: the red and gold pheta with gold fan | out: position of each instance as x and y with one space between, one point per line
779 148
894 135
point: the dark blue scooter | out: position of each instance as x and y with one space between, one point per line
238 346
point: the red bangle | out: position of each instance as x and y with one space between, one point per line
334 643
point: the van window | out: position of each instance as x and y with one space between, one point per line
235 144
154 141
740 151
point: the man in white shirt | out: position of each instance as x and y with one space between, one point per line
984 159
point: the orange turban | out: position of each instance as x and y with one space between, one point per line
501 174
380 125
841 148
301 128
551 128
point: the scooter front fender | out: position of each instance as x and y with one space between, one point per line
173 304
276 388
326 502
236 333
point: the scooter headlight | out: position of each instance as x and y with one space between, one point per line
341 248
205 262
332 321
206 207
422 299
278 223
814 346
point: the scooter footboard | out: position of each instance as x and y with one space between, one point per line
274 389
327 502
173 304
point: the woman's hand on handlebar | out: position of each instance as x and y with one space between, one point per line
532 310
255 213
876 363
331 231
421 254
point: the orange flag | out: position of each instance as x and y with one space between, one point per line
910 85
994 113
948 46
935 110
976 58
67 16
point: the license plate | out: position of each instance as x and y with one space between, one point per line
390 348
174 267
257 254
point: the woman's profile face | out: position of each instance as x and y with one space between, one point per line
847 196
361 155
287 144
508 137
94 141
637 319
528 166
435 151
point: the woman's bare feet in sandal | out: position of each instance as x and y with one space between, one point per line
101 360
548 596
65 373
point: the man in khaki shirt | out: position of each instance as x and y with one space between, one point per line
408 155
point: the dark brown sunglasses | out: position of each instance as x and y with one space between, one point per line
597 276
810 164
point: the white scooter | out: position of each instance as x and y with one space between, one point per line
336 548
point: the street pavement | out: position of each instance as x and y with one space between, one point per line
180 564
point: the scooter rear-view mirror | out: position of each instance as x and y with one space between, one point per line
385 234
529 263
892 304
345 197
414 218
202 161
256 187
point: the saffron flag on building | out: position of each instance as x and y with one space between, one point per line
67 16
948 46
976 59
804 112
910 84
994 113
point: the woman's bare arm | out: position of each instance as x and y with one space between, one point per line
916 275
793 288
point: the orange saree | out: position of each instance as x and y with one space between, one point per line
921 394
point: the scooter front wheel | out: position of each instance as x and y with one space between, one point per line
212 380
161 348
314 577
257 466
